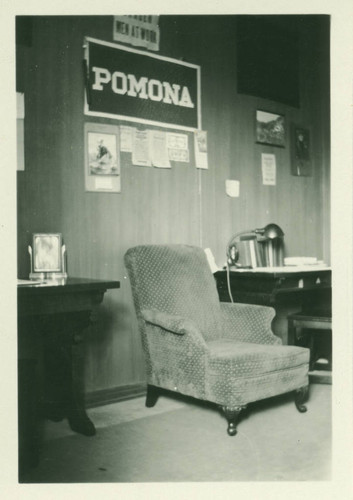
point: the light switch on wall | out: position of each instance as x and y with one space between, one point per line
232 188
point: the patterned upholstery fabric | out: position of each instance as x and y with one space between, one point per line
172 323
248 324
272 366
175 279
221 352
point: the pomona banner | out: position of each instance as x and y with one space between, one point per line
133 85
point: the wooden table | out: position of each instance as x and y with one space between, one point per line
52 318
286 289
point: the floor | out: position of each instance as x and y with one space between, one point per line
181 441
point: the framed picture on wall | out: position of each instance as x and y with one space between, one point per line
102 158
270 128
300 151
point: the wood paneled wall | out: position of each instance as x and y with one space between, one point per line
181 205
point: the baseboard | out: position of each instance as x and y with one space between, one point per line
114 395
320 377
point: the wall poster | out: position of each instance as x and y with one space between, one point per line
102 158
20 109
300 151
130 84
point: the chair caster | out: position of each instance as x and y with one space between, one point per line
231 431
232 414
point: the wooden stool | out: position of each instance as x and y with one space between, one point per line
311 320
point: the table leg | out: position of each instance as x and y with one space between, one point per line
63 361
50 379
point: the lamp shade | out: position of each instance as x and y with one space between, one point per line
270 232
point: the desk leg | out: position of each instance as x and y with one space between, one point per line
291 333
63 364
29 423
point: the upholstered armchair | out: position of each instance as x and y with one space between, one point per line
196 345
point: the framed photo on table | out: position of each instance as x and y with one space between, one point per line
47 256
270 128
102 158
300 151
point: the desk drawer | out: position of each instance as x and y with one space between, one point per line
310 281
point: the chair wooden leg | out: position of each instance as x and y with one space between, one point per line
232 413
301 396
152 395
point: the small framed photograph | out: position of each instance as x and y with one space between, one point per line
270 128
300 151
47 253
102 158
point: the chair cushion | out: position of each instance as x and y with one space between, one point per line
246 360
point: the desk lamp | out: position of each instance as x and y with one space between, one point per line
267 233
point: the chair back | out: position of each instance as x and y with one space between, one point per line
175 279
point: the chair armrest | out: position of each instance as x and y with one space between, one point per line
176 352
170 322
248 323
184 331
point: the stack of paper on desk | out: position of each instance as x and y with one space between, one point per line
21 282
283 269
301 261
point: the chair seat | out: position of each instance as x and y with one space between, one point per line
245 359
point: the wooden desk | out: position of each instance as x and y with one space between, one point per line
52 318
288 291
316 324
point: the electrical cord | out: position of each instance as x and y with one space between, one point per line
233 255
228 284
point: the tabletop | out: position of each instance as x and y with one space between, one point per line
64 285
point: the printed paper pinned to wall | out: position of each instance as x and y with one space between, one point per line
103 183
268 164
141 149
126 138
159 150
201 149
20 105
178 147
232 188
20 131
